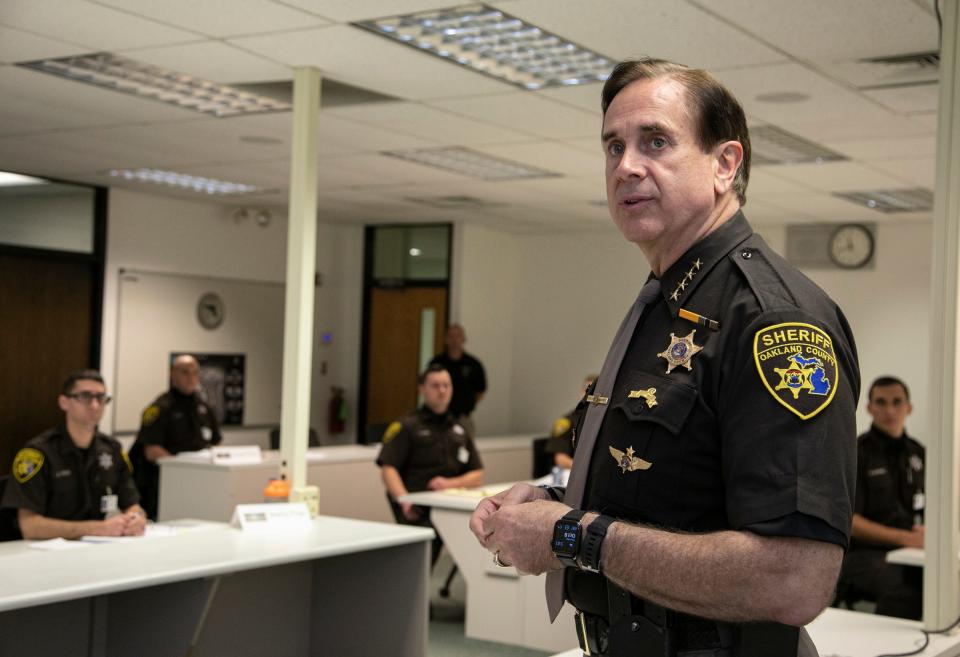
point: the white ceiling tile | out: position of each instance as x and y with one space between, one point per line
221 18
760 212
765 183
584 96
525 112
213 60
19 116
630 28
361 58
920 171
927 120
837 176
19 46
922 98
835 30
887 148
871 125
552 156
91 25
351 10
429 123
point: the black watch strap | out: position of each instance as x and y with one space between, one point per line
592 543
572 516
555 492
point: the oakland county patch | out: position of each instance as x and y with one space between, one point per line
391 431
150 415
798 366
26 464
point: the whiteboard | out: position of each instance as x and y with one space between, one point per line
157 315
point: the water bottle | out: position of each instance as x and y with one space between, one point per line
557 474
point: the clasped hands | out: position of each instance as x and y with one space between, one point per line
517 526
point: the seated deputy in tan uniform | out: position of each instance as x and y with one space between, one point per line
74 481
177 421
428 450
562 434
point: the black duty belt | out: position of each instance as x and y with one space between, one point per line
640 628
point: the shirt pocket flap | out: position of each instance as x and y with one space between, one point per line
653 398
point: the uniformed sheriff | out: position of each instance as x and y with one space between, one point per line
428 450
711 495
177 421
73 481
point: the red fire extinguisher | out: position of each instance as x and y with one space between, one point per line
336 411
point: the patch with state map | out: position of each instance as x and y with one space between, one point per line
798 366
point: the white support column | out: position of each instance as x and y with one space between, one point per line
301 269
941 587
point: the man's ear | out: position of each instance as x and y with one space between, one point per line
62 402
727 159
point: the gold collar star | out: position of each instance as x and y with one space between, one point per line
680 351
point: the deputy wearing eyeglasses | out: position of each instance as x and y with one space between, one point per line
74 481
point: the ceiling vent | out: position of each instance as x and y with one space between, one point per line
772 145
453 202
893 71
915 199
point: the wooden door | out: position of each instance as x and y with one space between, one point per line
45 307
394 347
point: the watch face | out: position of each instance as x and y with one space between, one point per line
851 246
566 538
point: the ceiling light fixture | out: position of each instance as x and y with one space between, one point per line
773 145
467 162
174 179
914 199
109 71
8 179
497 44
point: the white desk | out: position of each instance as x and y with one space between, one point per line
314 592
842 633
347 475
501 605
906 556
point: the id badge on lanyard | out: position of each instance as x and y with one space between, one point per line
108 504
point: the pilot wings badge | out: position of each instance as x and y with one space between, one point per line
628 461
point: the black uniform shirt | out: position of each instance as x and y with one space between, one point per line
889 480
53 477
760 433
468 378
424 445
179 423
561 436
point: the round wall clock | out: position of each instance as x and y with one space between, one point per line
210 310
851 246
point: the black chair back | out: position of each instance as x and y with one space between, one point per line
313 440
542 459
9 529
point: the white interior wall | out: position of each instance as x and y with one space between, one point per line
483 286
199 238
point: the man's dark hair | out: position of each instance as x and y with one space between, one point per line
435 367
718 115
80 375
882 381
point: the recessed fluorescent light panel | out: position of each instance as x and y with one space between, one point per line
771 145
8 179
491 42
182 180
467 162
110 71
916 199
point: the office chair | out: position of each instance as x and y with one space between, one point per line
542 459
9 529
312 439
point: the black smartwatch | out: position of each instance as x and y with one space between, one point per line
566 538
592 543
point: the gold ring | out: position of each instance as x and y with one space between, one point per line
496 560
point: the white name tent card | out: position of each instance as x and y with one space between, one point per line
272 516
236 455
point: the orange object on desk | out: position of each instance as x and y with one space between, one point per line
277 490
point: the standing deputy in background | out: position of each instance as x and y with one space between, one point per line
712 489
562 434
74 481
466 373
888 512
428 450
177 421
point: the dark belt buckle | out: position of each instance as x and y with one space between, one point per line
591 636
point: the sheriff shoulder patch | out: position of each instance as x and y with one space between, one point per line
26 464
560 427
798 366
391 431
126 459
150 415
